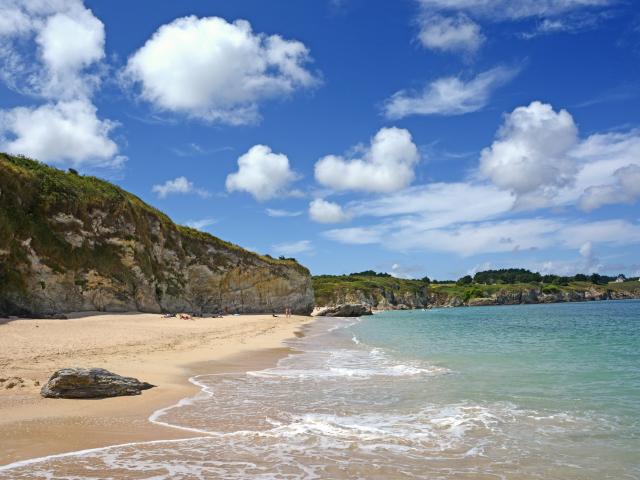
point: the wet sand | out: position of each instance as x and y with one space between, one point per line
164 352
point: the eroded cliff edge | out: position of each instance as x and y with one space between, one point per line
78 243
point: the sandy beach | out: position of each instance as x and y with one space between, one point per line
161 351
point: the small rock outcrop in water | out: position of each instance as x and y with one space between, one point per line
91 383
345 310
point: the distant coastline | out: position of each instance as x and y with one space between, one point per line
384 292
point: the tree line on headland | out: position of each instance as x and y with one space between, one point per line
511 276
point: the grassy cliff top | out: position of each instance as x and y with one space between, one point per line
42 189
326 286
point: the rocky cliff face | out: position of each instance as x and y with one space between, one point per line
74 243
381 299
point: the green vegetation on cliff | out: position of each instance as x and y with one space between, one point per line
44 189
334 289
478 290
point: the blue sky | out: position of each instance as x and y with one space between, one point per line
417 137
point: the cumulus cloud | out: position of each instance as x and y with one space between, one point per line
179 185
293 248
262 173
323 211
539 156
448 95
215 70
450 34
531 150
46 48
385 166
64 132
54 50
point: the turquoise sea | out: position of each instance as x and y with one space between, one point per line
514 392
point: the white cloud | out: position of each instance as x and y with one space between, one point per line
586 250
46 48
58 133
293 248
202 223
323 211
597 196
440 204
179 185
480 268
69 44
614 232
261 173
450 34
531 150
537 161
215 70
54 49
385 166
449 95
474 238
626 189
456 27
357 235
278 213
512 10
629 179
539 157
405 271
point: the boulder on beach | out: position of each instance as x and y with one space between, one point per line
91 383
345 310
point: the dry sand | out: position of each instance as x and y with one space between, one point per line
164 352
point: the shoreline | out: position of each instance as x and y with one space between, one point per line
483 303
34 427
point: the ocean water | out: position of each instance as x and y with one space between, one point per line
522 392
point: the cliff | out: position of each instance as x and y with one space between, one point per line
78 243
379 292
389 293
451 295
